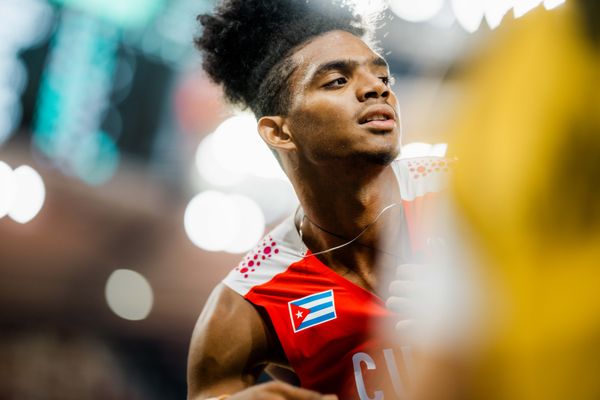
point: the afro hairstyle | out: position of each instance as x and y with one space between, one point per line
246 45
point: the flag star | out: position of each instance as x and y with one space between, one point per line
299 314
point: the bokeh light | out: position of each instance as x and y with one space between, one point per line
495 10
251 225
235 151
13 77
550 4
416 11
468 13
74 98
210 168
235 158
210 220
367 7
96 158
129 295
216 221
22 24
522 7
30 194
7 188
130 13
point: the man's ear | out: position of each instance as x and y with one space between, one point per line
275 132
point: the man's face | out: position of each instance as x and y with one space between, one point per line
342 106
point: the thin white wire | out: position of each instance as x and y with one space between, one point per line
347 243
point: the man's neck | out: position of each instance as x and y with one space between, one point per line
340 203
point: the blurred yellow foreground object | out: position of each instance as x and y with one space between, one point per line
528 185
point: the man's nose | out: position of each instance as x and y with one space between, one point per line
372 87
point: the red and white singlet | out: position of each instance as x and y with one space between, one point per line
325 323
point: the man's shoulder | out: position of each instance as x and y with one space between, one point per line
278 249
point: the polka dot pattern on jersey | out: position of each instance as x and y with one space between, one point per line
422 167
263 251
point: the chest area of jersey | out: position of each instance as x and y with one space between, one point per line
315 311
328 324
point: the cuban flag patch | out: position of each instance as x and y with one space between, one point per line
312 310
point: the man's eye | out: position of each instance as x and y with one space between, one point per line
336 83
387 80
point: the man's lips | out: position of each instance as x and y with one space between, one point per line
381 117
383 125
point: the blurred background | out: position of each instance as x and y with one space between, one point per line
128 189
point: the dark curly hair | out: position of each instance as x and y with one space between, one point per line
246 45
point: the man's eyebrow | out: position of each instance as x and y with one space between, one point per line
380 62
335 65
345 66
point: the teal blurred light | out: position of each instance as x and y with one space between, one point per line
74 97
124 13
97 158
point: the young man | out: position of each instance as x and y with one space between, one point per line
308 298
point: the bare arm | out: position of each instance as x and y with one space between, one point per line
229 346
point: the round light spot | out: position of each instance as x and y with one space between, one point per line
211 220
251 225
210 167
216 221
129 295
7 188
234 151
29 194
416 11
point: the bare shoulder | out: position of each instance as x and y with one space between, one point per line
229 346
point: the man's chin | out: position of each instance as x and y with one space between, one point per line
384 153
381 158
